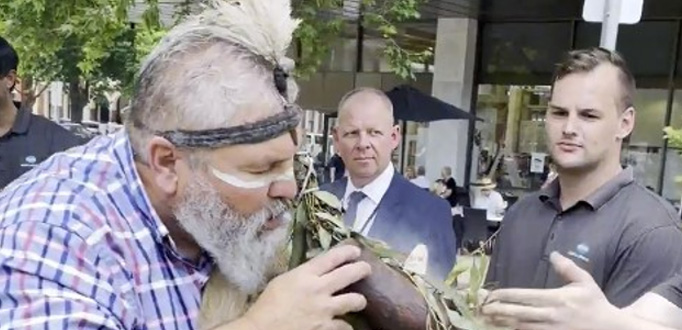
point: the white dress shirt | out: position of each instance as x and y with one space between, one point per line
374 192
493 204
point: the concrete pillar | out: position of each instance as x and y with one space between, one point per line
453 77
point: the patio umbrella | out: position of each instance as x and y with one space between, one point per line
410 104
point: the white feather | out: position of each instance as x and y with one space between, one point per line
265 27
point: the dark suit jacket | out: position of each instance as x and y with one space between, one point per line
407 216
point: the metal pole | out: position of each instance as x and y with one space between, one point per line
325 149
609 28
669 107
403 128
360 41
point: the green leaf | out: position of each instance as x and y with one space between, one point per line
299 238
325 238
328 198
459 269
475 282
379 248
330 218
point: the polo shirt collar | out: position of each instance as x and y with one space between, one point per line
21 122
598 198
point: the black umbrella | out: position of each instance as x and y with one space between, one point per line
410 104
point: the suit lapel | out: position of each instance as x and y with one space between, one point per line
389 209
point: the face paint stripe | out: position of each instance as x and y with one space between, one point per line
258 183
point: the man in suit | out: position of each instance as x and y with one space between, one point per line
378 202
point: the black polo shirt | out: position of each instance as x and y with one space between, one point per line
31 140
625 236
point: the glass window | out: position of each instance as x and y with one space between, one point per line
411 153
651 68
672 186
541 9
522 53
643 151
509 144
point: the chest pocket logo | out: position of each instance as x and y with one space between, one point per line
30 161
581 252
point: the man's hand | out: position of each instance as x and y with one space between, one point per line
580 305
304 298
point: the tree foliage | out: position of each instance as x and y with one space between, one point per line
323 22
90 43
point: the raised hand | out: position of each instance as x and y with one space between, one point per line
580 305
305 298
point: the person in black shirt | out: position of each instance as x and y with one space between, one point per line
450 193
337 167
25 139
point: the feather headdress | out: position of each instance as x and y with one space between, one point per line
263 27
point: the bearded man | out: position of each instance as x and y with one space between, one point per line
123 232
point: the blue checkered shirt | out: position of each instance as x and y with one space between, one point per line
82 248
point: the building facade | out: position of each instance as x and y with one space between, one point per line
495 58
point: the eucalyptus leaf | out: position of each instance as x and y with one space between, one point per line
298 238
330 218
325 238
457 270
312 253
328 198
341 233
460 321
475 283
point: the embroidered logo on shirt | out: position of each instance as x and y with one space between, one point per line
30 161
581 251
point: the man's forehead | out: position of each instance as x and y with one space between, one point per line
365 115
279 149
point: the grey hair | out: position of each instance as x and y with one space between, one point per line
210 68
447 170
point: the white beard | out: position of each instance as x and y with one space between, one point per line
243 252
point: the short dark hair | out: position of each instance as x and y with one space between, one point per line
9 60
586 60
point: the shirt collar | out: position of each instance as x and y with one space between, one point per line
124 153
22 121
599 197
374 190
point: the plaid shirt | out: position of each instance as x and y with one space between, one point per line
82 248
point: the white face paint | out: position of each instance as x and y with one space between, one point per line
262 181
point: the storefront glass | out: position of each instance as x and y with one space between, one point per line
644 149
509 145
672 180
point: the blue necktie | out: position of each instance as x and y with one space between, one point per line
351 213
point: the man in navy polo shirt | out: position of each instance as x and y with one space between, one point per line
25 139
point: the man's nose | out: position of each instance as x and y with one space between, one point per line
285 189
570 124
363 141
